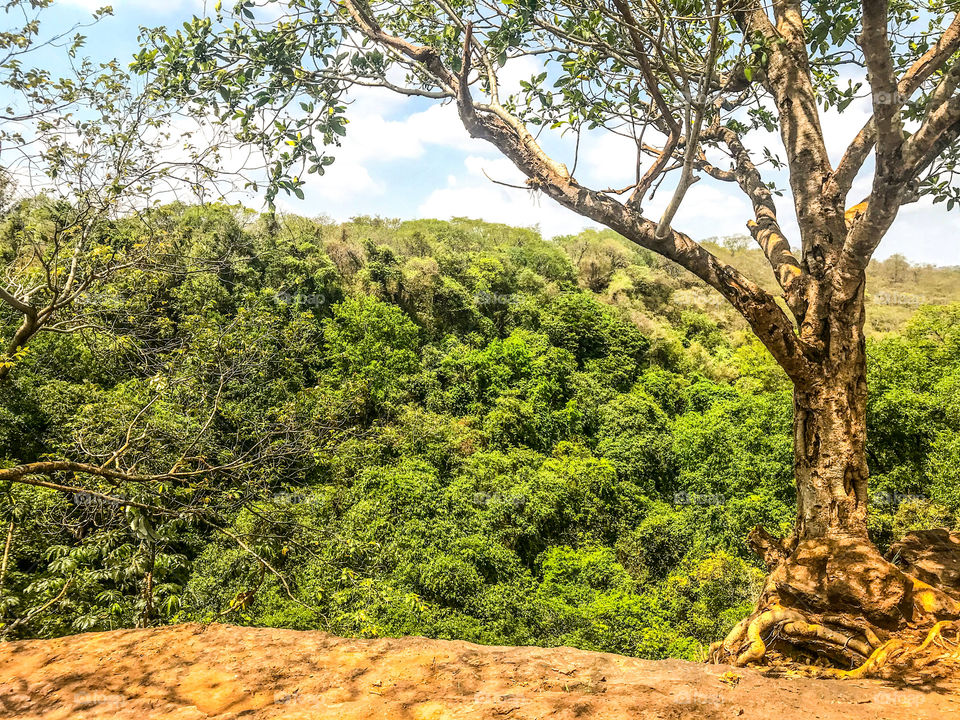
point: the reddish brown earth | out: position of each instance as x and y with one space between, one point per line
221 671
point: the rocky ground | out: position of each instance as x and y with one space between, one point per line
222 671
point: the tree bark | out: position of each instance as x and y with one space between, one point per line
148 587
28 328
6 554
830 462
829 591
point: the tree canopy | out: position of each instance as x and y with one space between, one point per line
458 428
473 438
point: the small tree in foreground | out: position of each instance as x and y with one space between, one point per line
689 82
79 152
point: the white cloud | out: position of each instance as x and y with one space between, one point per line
839 129
495 168
924 232
708 209
440 125
517 69
607 159
474 195
498 204
374 141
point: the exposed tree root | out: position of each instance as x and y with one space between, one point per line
778 628
873 663
838 609
755 632
936 632
799 630
778 623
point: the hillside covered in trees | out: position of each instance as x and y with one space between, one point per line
451 429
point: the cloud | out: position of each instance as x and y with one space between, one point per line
497 204
607 159
839 129
473 195
384 145
709 209
372 137
924 232
517 69
496 168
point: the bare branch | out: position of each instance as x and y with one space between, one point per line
666 113
766 228
17 304
929 63
883 86
694 128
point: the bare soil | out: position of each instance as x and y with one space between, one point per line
221 671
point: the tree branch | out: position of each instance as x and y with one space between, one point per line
883 86
52 467
766 228
942 114
495 125
71 490
17 304
788 80
650 80
929 63
938 129
867 229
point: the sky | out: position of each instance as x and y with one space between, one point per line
410 158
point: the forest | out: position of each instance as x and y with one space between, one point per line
273 355
454 429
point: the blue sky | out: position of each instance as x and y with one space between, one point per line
408 158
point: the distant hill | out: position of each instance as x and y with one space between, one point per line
896 288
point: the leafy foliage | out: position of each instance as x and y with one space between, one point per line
470 437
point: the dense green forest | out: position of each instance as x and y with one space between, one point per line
453 429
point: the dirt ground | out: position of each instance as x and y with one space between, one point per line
222 671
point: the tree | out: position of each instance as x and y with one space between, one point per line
78 153
689 82
170 440
77 150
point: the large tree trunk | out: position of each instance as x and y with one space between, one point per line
830 593
830 462
830 422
